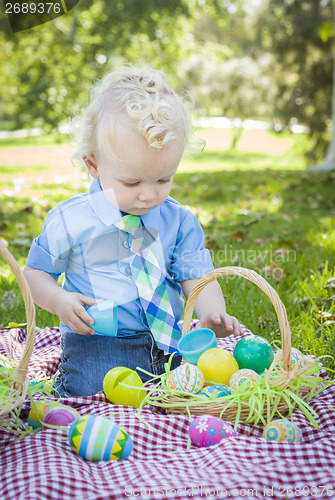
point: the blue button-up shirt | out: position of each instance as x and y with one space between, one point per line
79 239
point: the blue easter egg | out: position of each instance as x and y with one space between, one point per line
215 391
97 438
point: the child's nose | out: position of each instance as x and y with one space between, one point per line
147 195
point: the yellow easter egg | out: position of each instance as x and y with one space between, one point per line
123 386
217 366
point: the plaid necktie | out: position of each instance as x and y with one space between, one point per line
151 287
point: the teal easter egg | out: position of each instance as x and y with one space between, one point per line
97 438
254 352
282 430
215 391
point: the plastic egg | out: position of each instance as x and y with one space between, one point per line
241 376
254 352
215 391
120 394
207 430
38 412
105 317
217 365
194 343
186 378
61 416
282 430
97 438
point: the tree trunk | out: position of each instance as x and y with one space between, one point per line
328 163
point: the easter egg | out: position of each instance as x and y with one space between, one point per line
215 391
296 356
217 365
61 416
254 352
186 378
115 387
207 430
38 412
97 438
319 387
241 377
282 430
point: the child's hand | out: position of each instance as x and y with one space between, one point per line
221 323
71 311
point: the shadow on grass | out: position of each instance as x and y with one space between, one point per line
296 190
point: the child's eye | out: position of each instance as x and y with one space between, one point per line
164 181
130 184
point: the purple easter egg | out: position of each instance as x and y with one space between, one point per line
61 416
207 430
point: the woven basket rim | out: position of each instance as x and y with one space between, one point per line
20 379
180 404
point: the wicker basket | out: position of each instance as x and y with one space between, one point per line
20 383
182 405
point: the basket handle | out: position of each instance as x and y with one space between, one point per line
255 278
21 370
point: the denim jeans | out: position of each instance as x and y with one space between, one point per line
86 359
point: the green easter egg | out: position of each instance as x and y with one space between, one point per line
254 352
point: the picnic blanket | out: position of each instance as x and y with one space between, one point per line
42 465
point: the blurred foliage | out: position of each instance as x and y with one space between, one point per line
299 33
46 69
273 63
271 60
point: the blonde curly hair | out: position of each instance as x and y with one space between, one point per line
142 95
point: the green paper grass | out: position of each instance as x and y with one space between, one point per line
12 421
258 404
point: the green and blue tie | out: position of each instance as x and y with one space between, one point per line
151 286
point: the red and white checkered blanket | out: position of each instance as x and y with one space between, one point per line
42 466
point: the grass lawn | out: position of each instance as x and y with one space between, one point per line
259 211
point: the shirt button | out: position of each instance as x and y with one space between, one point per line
128 271
126 244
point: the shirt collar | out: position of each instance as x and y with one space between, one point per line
109 214
105 211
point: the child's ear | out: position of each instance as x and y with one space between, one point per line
91 165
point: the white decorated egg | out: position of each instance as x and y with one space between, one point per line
186 378
241 377
296 356
282 430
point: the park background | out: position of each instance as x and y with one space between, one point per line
261 74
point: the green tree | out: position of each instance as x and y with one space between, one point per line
47 69
329 161
294 32
229 73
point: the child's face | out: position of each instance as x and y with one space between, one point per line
140 178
